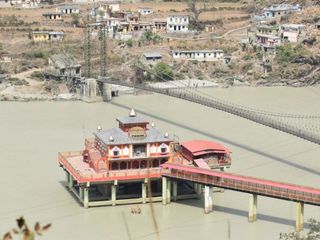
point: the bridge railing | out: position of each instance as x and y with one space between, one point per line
245 184
226 107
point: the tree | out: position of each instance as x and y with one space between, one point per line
163 72
312 234
286 52
150 37
75 19
195 23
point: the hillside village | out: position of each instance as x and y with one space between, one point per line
49 48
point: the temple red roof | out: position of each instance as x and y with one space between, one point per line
199 147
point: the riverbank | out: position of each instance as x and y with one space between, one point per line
9 92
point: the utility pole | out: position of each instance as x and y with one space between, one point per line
87 48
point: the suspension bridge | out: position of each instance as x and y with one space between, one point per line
287 123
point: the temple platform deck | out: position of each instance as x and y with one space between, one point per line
81 171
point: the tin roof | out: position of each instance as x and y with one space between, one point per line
69 7
145 8
268 36
282 7
131 120
64 61
199 51
152 55
120 137
294 26
51 13
199 147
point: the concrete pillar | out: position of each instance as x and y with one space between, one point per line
70 183
168 191
106 92
86 197
198 189
208 201
174 190
164 190
253 201
144 192
81 193
300 213
67 179
113 194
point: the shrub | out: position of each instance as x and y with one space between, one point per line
18 82
129 42
75 19
286 53
37 54
163 72
150 37
38 75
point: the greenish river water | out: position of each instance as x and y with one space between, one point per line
32 184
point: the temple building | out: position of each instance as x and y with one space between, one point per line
122 165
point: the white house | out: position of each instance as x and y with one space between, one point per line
278 10
113 6
68 9
268 43
178 23
159 24
145 11
292 32
268 40
5 3
25 3
112 23
199 55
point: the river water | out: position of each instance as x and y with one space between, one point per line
32 184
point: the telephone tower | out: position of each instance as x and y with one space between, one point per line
87 48
103 50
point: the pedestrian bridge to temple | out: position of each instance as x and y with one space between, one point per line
254 186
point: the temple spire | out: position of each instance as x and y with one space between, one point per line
132 113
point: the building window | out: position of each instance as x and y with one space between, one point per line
163 150
115 153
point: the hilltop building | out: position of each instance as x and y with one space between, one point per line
145 11
267 29
25 3
269 43
159 24
154 56
198 55
68 9
178 23
278 10
45 36
63 66
292 32
52 17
